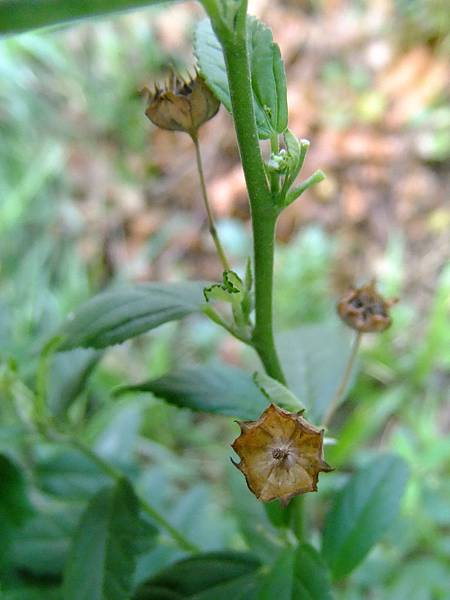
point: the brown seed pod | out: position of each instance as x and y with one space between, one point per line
365 309
281 455
181 105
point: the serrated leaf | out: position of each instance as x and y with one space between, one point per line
216 388
22 15
268 76
217 293
297 574
103 554
231 290
277 393
267 72
314 358
117 315
208 576
362 512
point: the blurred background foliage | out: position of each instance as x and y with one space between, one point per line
91 195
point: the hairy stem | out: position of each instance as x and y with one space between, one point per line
264 213
211 222
115 474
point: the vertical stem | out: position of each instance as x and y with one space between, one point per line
263 338
264 213
345 379
211 222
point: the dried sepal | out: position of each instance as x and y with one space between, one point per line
365 309
281 455
181 105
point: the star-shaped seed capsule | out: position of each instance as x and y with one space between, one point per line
281 455
365 309
181 105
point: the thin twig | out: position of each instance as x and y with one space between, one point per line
115 474
211 222
344 381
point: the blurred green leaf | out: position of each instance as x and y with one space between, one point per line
43 544
32 593
213 575
217 388
297 574
314 358
105 546
69 372
69 475
117 315
424 578
252 519
267 70
362 512
22 15
367 417
14 504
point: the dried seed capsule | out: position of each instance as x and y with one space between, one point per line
281 455
181 105
365 310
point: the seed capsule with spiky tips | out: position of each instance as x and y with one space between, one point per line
181 105
365 309
281 455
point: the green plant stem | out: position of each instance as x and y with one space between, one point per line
344 381
211 221
115 474
315 178
264 213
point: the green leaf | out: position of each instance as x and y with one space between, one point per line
14 504
231 290
69 372
213 575
217 388
277 393
43 544
69 475
297 574
103 554
117 315
362 512
314 357
268 76
22 15
256 529
267 72
32 593
296 150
